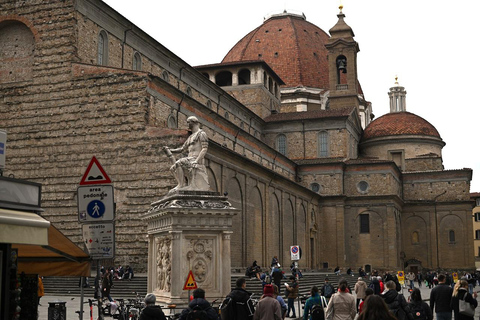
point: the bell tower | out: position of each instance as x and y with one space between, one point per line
342 62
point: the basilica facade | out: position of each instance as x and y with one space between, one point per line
293 140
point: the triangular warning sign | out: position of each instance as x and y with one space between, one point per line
94 174
190 284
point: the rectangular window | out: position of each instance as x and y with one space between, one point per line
323 144
477 216
478 202
478 252
364 223
477 234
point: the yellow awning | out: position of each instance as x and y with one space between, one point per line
23 227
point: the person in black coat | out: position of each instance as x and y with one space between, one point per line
277 276
461 293
375 285
199 300
418 306
244 308
151 311
396 302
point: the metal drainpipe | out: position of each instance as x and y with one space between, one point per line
178 107
123 44
304 147
436 223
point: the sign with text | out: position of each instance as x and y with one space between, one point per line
95 203
99 238
295 252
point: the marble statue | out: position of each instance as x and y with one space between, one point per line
190 171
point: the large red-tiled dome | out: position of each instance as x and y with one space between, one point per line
293 47
399 123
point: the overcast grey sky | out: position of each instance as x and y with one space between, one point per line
431 45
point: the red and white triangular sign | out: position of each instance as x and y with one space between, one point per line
190 283
94 174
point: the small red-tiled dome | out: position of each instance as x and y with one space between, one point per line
293 47
399 123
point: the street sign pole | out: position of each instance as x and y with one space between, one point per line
96 214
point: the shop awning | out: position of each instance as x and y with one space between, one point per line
23 227
59 257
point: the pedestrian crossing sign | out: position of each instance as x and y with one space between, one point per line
190 284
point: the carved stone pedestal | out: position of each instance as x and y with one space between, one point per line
189 230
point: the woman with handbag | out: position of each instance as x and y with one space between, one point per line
463 303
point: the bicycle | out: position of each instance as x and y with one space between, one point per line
172 315
91 303
122 310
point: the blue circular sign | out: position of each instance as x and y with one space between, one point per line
96 209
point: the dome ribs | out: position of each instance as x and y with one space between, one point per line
293 47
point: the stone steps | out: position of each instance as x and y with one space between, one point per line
69 286
305 284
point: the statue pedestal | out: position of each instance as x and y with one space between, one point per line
189 230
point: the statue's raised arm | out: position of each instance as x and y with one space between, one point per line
190 171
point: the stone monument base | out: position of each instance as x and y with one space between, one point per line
189 230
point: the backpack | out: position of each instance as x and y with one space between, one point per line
197 313
227 309
328 290
268 279
418 311
317 312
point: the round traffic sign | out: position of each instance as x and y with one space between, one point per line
96 209
295 249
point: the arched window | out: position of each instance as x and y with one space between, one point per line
323 144
282 144
265 80
244 77
227 116
341 69
364 223
137 62
189 91
415 237
102 52
270 85
17 52
172 122
451 236
209 104
223 78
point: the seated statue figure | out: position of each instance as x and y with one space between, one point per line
190 171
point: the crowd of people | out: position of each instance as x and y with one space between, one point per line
376 297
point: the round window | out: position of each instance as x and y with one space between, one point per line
362 186
315 187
